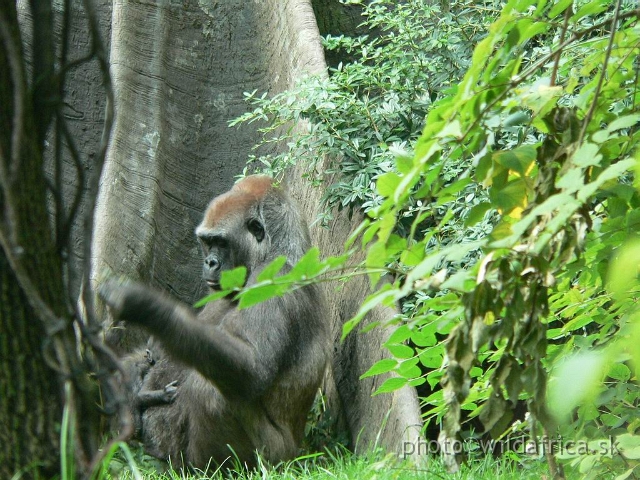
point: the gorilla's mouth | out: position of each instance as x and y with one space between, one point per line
214 285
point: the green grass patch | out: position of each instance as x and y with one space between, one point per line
345 465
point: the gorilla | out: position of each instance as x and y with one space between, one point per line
246 378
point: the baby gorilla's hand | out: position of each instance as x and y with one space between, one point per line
170 391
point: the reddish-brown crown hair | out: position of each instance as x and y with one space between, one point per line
245 193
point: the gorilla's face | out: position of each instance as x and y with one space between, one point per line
226 250
231 235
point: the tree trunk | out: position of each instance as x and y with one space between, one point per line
180 72
388 420
40 362
335 18
30 409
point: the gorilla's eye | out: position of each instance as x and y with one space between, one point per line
256 228
209 241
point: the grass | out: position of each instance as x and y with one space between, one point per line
344 465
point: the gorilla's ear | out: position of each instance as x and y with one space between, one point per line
256 228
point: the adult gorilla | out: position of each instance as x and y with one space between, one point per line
246 378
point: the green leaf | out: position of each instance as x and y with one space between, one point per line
391 385
484 170
210 298
461 281
509 197
431 359
387 184
232 279
513 38
400 351
451 129
356 233
559 7
381 366
272 269
587 155
395 245
623 270
518 160
591 8
611 420
377 256
370 232
400 334
423 338
625 475
333 262
387 224
619 371
536 28
540 98
412 256
417 381
517 118
386 294
625 121
308 266
571 181
612 172
259 293
576 323
409 370
455 187
588 412
578 378
629 445
477 213
587 463
425 267
404 163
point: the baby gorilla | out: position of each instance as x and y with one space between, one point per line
247 377
140 396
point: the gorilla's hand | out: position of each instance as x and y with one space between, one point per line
134 302
113 293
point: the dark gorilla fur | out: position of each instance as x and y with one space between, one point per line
246 378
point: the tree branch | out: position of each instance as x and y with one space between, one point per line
9 165
567 14
44 89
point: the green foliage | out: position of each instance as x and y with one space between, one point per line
549 193
321 431
420 49
527 165
595 391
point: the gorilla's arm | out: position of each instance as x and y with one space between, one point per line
240 363
151 398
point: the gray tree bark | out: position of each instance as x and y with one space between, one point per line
41 364
179 71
